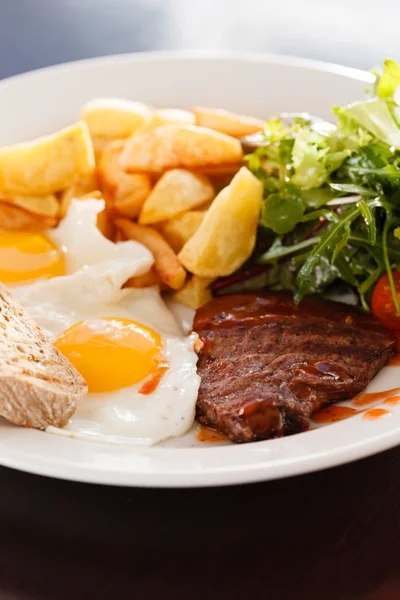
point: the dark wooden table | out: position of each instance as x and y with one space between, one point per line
333 535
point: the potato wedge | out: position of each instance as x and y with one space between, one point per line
179 230
173 146
176 115
99 145
175 192
81 188
227 122
165 116
15 218
114 118
166 262
47 164
125 194
42 206
227 235
195 292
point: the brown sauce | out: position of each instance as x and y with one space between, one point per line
395 360
207 434
152 384
375 413
255 309
366 398
332 414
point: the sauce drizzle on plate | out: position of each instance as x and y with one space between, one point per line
376 413
366 398
207 434
332 414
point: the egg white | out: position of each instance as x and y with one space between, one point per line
98 268
127 417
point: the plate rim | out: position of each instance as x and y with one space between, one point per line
197 54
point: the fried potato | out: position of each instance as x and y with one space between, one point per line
114 118
83 187
15 218
176 115
143 281
175 192
173 146
43 206
227 234
223 170
47 164
166 262
125 194
106 225
195 292
179 230
227 122
165 116
99 145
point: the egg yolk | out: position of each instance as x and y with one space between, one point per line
111 353
25 256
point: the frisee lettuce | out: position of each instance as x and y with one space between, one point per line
332 194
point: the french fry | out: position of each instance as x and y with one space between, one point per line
15 218
195 292
174 146
179 230
125 194
176 192
227 122
166 262
114 118
143 281
42 206
105 224
227 234
47 164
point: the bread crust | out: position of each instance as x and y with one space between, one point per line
38 385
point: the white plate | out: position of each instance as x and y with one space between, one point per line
259 85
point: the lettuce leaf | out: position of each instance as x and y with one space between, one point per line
374 116
389 81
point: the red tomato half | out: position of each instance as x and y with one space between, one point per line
382 302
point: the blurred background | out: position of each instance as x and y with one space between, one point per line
36 33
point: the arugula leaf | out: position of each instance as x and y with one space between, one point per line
328 240
282 211
341 244
317 197
368 217
351 188
278 250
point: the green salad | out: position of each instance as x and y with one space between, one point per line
331 213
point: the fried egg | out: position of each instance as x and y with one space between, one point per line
26 256
139 366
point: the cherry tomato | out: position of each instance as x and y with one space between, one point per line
382 302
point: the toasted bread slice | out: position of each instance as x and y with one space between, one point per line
38 385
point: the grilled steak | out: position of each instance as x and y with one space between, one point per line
266 364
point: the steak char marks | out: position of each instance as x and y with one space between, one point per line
266 364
